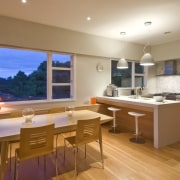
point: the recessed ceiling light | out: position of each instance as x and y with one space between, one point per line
167 32
122 33
88 18
148 23
24 1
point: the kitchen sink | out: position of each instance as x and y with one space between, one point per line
143 98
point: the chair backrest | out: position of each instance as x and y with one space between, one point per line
16 113
88 130
36 141
57 109
41 111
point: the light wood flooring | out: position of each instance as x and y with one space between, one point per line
123 160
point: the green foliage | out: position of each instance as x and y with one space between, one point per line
60 64
23 86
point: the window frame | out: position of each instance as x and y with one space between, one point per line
133 74
49 97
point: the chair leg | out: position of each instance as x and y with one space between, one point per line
56 143
85 151
101 150
38 161
136 125
44 163
64 149
75 160
10 155
15 167
56 167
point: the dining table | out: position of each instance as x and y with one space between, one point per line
64 122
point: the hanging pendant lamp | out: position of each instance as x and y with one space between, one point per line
147 58
122 63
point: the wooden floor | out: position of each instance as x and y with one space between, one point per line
123 161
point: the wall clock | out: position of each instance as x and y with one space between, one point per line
99 67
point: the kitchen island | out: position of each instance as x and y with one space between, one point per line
162 120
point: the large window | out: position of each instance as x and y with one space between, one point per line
35 75
134 76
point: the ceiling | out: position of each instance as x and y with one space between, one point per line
109 17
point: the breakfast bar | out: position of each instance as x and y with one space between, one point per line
162 120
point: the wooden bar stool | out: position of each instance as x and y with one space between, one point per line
114 128
137 139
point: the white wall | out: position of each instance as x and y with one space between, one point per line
89 51
158 84
90 82
151 81
37 36
166 51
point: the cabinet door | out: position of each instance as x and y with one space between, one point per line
178 67
160 68
170 67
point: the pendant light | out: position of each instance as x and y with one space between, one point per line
147 59
122 63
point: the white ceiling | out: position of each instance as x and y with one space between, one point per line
109 17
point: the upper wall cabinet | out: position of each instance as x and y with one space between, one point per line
169 67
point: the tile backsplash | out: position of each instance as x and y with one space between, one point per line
159 84
168 84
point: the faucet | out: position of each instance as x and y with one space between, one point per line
138 92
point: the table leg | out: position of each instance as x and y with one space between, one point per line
3 159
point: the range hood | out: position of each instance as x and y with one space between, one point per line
168 67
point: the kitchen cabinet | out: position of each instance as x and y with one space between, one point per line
178 67
169 67
160 68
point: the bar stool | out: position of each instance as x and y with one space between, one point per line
114 128
137 139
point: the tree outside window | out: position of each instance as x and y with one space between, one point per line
23 75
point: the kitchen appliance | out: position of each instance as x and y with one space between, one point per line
169 96
112 90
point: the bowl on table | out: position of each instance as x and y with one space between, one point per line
159 98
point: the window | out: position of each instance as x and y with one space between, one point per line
139 76
61 76
132 77
35 75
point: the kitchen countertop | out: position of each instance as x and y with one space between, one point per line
148 102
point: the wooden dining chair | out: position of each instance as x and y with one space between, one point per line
13 114
56 110
35 142
87 131
41 111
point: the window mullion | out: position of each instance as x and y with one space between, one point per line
145 76
49 76
61 84
133 75
72 77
